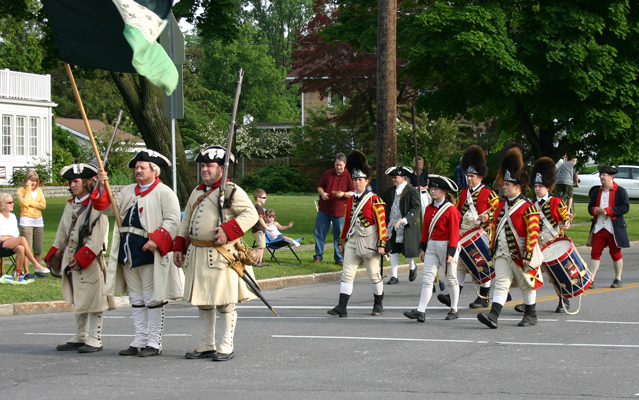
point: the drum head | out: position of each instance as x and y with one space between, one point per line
556 249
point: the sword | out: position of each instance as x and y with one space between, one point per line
238 267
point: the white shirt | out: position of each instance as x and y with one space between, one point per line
400 188
604 221
9 226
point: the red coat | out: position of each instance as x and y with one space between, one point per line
373 212
555 210
446 227
526 222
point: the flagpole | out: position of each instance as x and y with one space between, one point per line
95 147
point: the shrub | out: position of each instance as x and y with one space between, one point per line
276 179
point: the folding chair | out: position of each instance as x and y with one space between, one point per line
7 253
273 246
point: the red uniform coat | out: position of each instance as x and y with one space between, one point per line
555 210
372 213
526 222
484 199
446 227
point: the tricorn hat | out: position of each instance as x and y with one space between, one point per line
605 169
150 156
474 161
357 165
545 172
82 170
399 171
216 154
512 167
442 182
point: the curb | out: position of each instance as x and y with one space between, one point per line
48 307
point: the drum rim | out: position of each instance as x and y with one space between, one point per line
564 255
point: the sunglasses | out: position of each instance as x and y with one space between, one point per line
9 202
263 197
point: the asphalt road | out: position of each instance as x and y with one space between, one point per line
307 354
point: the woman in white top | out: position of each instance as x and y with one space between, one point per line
10 235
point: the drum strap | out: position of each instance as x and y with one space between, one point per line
471 204
508 211
355 213
547 223
433 223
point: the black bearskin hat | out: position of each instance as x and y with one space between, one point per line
357 165
545 172
474 161
512 167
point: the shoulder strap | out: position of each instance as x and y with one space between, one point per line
433 222
355 213
545 221
202 197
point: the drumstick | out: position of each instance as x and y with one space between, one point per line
477 222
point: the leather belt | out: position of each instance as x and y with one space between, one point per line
202 243
134 231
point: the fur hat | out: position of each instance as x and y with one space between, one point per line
442 182
512 167
357 165
150 156
75 171
474 161
216 154
545 172
399 171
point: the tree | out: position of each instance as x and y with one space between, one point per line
562 75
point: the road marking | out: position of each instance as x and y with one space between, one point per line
603 322
628 346
103 335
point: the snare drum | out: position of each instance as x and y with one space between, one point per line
567 271
475 255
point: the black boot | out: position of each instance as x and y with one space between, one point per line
378 309
445 298
479 301
340 309
530 316
520 308
489 318
560 307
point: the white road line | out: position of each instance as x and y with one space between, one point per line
628 346
603 322
103 335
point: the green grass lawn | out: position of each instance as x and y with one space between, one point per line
299 209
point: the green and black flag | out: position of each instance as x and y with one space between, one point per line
115 35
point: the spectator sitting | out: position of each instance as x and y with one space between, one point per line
259 228
273 229
10 237
32 202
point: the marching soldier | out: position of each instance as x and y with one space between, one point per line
82 230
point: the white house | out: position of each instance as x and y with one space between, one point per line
26 115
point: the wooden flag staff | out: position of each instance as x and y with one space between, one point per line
95 147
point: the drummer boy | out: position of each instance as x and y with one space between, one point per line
553 212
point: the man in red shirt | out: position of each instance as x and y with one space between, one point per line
334 188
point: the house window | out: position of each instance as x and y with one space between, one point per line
332 99
20 135
33 136
6 135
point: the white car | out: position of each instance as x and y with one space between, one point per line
627 178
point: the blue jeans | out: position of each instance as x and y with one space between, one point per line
321 230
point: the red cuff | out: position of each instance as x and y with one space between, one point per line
50 254
85 256
163 239
232 229
609 211
100 203
178 244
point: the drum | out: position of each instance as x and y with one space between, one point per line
567 271
475 255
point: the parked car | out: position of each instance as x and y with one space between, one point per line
627 178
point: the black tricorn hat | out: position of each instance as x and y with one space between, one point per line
82 170
150 156
399 171
357 165
474 161
216 154
442 182
606 169
512 167
545 172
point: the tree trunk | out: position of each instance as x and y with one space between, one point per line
386 91
145 104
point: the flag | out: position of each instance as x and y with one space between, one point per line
115 35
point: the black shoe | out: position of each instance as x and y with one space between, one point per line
40 275
530 316
490 318
69 346
149 352
479 303
444 299
560 307
452 314
222 357
131 351
89 349
29 276
520 308
378 308
200 354
414 314
616 284
340 309
412 275
392 281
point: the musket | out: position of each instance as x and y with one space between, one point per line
108 149
237 266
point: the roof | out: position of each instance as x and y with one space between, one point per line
99 129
